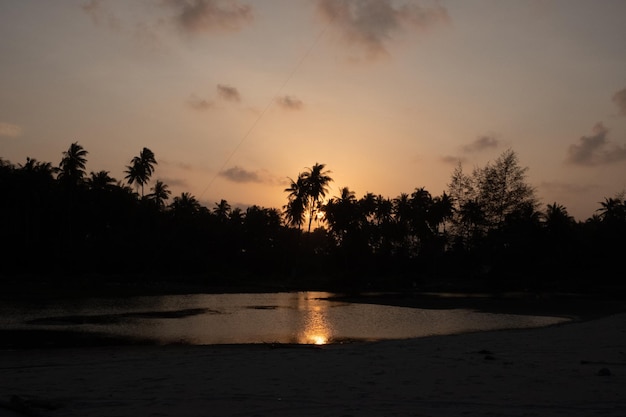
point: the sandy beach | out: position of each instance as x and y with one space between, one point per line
575 369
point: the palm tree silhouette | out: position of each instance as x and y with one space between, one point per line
343 213
296 206
473 220
612 210
441 210
160 193
72 166
32 166
557 217
222 210
185 205
100 180
141 169
383 212
316 182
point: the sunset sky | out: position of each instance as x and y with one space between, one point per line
234 97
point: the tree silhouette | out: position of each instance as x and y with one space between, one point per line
72 166
485 226
382 229
185 206
305 195
342 214
612 210
384 210
557 218
484 200
141 169
502 188
442 209
101 181
316 182
421 205
222 210
261 233
295 208
160 194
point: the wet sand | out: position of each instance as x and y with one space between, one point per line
575 369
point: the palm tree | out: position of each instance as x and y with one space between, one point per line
134 175
160 193
612 210
421 203
295 208
237 216
383 212
316 182
383 219
557 218
402 209
343 214
72 166
32 166
368 206
141 168
441 211
100 180
147 160
222 210
472 220
185 205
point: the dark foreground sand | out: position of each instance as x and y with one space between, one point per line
576 369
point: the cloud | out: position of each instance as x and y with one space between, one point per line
185 166
94 10
10 130
228 93
595 149
100 15
289 102
137 20
452 160
241 175
619 99
570 188
224 92
481 143
177 165
198 103
370 24
197 16
175 182
112 16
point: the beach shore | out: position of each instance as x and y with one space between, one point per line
574 369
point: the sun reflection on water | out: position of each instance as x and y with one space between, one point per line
318 339
317 329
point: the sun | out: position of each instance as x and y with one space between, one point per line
319 339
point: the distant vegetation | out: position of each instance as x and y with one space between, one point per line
486 232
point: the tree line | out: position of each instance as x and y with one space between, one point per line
487 230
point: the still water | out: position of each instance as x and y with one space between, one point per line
294 317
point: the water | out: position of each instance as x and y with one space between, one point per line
297 317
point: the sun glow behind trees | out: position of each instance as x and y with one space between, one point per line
489 221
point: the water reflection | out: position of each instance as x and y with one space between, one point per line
304 318
317 329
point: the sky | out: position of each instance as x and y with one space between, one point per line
235 97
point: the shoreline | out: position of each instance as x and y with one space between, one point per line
576 369
577 307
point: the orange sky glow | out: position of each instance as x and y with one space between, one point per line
236 96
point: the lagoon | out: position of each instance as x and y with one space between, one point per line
283 317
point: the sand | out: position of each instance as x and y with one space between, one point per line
576 369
